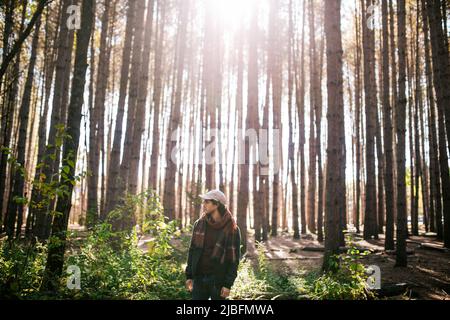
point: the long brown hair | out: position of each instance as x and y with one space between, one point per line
223 210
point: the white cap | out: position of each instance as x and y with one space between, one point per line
215 195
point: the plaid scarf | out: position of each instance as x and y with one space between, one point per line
225 249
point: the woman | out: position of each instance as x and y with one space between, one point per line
214 252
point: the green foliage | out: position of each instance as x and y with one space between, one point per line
22 265
13 162
262 281
107 271
408 177
347 280
247 284
48 188
126 271
263 270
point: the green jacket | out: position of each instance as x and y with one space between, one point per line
225 273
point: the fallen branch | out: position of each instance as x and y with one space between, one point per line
341 249
313 249
392 289
360 249
393 252
293 258
432 246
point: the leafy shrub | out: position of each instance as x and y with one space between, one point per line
111 271
125 271
22 265
262 282
247 284
108 271
348 281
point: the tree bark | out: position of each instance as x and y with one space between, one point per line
313 97
15 208
175 123
334 197
55 259
370 217
387 134
114 177
401 259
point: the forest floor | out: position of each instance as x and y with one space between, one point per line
426 277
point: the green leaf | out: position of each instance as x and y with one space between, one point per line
71 163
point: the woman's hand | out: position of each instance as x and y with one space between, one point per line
189 285
225 292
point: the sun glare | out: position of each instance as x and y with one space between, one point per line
232 12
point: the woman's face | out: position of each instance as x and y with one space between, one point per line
209 206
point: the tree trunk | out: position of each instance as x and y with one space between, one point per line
253 122
157 93
141 101
441 77
49 67
387 135
435 183
12 99
276 74
17 195
313 101
358 121
370 217
318 118
23 35
55 259
417 156
300 98
114 177
401 259
96 123
51 154
175 123
291 79
335 112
